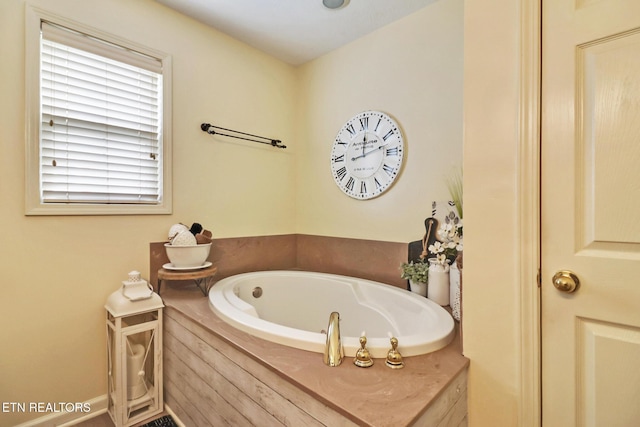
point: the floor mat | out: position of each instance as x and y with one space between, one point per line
165 421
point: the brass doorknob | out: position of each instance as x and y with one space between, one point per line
566 281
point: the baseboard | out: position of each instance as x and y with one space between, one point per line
97 405
174 416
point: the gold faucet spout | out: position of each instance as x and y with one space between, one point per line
333 350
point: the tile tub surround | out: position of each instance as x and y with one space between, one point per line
236 255
366 259
215 373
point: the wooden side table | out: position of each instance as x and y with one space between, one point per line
202 277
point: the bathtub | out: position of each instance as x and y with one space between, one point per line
293 307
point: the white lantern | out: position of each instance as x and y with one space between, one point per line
134 352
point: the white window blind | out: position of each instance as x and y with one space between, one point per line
101 121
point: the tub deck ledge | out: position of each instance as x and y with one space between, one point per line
375 396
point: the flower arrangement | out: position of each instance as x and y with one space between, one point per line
450 234
454 185
417 272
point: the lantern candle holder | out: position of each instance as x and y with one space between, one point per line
134 352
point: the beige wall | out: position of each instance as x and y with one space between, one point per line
58 271
412 70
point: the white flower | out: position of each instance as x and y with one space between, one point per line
450 240
436 248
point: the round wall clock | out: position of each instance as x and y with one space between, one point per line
367 155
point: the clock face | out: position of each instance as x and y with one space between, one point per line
367 155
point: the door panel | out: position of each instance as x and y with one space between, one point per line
607 101
608 360
590 202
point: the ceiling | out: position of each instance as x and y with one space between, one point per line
295 31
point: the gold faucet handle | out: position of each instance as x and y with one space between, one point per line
394 358
363 357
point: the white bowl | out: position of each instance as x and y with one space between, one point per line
187 256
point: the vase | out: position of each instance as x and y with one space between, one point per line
418 288
454 290
438 291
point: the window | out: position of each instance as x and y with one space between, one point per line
98 140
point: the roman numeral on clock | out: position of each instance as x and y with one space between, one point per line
340 173
339 158
388 135
351 130
388 169
364 123
392 151
350 183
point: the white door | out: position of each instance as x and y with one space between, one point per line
591 212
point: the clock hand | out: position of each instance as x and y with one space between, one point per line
364 143
375 149
364 154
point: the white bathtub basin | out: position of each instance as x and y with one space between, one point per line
294 307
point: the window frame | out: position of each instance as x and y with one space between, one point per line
33 204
